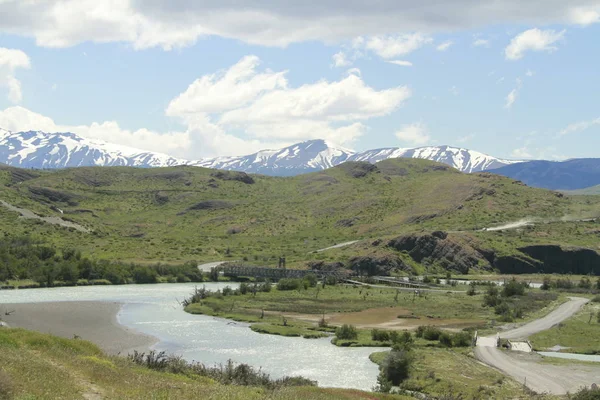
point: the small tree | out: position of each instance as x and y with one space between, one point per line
214 274
396 366
346 332
547 284
311 279
471 291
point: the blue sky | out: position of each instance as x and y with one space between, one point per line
514 82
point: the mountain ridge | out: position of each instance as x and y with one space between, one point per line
41 150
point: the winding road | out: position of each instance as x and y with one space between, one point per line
541 378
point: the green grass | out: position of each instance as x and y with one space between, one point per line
437 372
578 333
39 366
361 306
144 215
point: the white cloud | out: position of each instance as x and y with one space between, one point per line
522 153
233 88
533 40
512 96
444 46
481 43
10 61
414 134
171 24
401 63
454 90
579 126
467 138
341 60
398 45
585 16
530 73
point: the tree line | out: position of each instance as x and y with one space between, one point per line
23 258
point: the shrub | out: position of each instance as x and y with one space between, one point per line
431 333
289 284
587 394
227 291
346 332
396 366
420 331
471 291
311 279
331 280
547 284
445 339
401 341
491 297
462 339
596 299
144 275
244 288
514 288
265 287
380 336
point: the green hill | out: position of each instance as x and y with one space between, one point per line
189 213
591 191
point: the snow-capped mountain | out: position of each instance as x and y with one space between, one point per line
310 156
63 150
462 159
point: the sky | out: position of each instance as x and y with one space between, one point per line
230 77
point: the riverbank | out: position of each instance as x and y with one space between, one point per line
88 320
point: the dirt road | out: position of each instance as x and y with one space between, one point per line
554 379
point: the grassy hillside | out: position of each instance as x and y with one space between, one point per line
591 191
188 213
38 366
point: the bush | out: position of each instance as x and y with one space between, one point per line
596 299
265 287
144 275
380 336
514 288
244 288
471 291
311 279
491 297
445 339
396 366
346 332
462 339
331 280
227 291
587 394
431 333
401 341
547 284
290 284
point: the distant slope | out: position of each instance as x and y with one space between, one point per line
42 150
190 213
462 159
594 190
567 175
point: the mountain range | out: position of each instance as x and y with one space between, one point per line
41 150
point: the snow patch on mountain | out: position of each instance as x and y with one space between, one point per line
40 150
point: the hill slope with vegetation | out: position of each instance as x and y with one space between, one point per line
189 213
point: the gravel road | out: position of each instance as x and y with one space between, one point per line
554 379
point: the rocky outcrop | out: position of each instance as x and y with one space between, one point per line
442 250
377 265
557 259
439 249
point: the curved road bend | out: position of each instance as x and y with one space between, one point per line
554 379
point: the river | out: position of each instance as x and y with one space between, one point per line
155 310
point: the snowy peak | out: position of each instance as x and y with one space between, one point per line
36 149
309 156
462 159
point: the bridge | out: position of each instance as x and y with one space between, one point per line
277 273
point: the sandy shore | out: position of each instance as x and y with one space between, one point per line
93 321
